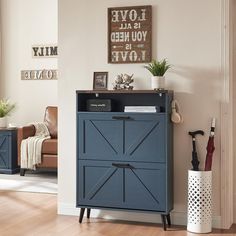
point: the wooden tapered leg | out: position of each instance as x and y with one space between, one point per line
81 215
88 212
163 218
168 220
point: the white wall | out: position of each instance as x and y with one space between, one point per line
24 23
188 33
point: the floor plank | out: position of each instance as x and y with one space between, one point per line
33 214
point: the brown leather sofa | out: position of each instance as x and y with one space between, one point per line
49 146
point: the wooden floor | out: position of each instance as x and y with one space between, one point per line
31 214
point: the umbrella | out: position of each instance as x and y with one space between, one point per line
195 161
210 146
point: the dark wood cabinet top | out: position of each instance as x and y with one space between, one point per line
8 128
124 91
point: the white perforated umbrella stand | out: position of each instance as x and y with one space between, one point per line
199 201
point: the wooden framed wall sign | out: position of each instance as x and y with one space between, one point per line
130 34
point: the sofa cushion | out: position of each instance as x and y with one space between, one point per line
49 146
50 119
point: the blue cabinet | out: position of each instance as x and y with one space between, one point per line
124 160
8 151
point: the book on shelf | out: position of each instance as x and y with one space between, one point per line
141 109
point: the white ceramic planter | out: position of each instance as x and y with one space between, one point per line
199 201
3 122
158 82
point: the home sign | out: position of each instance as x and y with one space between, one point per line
130 34
39 74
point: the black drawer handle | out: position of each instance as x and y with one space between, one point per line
120 165
121 117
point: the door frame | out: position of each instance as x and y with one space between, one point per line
227 114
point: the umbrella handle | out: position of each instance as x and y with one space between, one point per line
194 133
195 162
213 125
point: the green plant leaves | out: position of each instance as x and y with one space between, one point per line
158 68
5 107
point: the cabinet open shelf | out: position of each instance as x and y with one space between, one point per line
122 98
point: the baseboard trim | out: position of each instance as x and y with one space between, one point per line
177 218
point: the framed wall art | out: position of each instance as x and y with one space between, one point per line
130 34
100 80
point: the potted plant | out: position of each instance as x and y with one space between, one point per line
158 70
5 108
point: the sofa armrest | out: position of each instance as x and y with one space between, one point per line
23 133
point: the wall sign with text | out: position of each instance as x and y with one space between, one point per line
39 75
40 51
130 34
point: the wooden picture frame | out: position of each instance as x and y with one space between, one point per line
100 80
130 34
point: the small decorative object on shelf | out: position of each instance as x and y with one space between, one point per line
5 108
123 82
100 80
158 69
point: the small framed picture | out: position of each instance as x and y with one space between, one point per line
100 80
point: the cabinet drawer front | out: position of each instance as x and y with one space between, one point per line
128 185
99 136
4 150
122 136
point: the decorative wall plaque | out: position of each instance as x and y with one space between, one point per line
39 74
41 51
130 34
